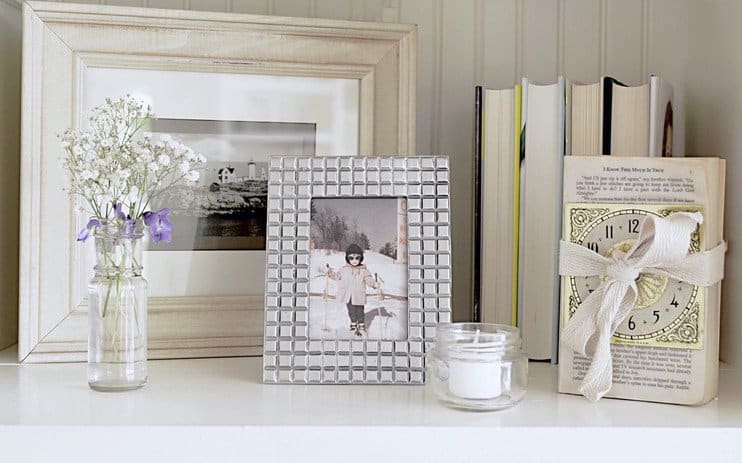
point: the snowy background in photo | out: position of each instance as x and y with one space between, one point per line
377 225
385 319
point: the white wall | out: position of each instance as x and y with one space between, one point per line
493 42
714 120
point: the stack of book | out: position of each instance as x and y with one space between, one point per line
521 137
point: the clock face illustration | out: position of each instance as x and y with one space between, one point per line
668 312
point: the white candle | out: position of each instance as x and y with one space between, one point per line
472 377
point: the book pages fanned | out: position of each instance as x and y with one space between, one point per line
630 120
538 266
497 207
586 119
667 349
664 137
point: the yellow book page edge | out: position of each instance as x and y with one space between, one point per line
516 201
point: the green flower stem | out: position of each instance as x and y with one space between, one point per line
115 288
110 261
105 304
136 316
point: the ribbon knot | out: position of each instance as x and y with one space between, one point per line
621 270
661 249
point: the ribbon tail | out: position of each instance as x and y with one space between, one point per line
598 379
615 307
579 333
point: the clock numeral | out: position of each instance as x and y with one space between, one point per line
593 246
632 325
656 314
633 225
674 302
609 231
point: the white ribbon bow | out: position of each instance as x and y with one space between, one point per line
661 249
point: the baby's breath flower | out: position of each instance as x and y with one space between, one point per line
193 176
116 162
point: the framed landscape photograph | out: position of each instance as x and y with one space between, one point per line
226 209
293 87
358 271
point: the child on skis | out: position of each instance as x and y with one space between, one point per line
353 279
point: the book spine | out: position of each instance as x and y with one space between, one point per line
521 198
561 148
654 95
516 201
609 84
607 113
476 314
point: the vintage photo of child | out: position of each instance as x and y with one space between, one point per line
358 259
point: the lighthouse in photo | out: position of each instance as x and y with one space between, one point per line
251 173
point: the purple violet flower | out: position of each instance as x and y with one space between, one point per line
160 227
129 227
85 232
129 223
119 212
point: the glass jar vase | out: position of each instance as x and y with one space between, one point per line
117 309
478 366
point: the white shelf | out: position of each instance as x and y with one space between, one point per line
201 409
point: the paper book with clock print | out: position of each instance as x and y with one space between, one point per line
667 350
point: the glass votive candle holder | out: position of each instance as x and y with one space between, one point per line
477 366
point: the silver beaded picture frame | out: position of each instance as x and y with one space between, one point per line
421 186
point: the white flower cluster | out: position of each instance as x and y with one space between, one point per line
117 162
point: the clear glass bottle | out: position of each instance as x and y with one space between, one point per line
477 366
117 309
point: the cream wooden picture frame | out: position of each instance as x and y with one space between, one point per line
61 41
